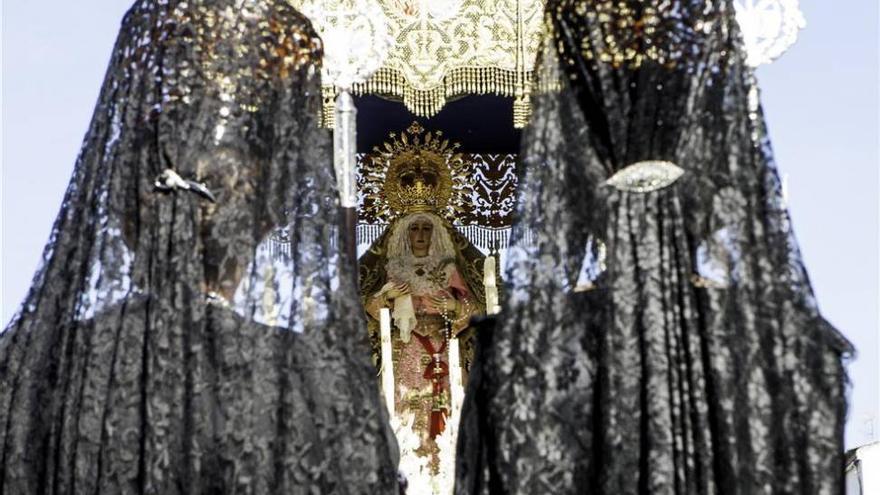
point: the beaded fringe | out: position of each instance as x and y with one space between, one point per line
487 239
428 102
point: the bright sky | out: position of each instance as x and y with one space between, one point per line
821 101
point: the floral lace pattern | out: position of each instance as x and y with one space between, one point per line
165 347
653 380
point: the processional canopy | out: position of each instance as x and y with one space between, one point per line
443 49
438 50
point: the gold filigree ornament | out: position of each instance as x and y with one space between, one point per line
418 171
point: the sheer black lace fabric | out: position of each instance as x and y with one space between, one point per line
175 344
663 339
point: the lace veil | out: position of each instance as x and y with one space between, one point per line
192 327
660 334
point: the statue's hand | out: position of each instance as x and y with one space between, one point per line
400 289
445 304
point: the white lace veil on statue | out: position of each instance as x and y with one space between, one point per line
441 243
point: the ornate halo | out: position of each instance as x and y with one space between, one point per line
417 171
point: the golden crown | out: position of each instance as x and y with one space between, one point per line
415 185
423 173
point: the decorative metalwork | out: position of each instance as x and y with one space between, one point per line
646 176
345 149
769 27
475 189
409 170
448 48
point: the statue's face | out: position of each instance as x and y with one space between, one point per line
420 237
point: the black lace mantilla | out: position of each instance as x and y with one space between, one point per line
162 348
660 334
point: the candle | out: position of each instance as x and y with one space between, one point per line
387 364
490 286
489 271
456 388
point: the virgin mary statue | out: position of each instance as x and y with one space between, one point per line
429 278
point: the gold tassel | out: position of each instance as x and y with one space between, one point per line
522 111
328 107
